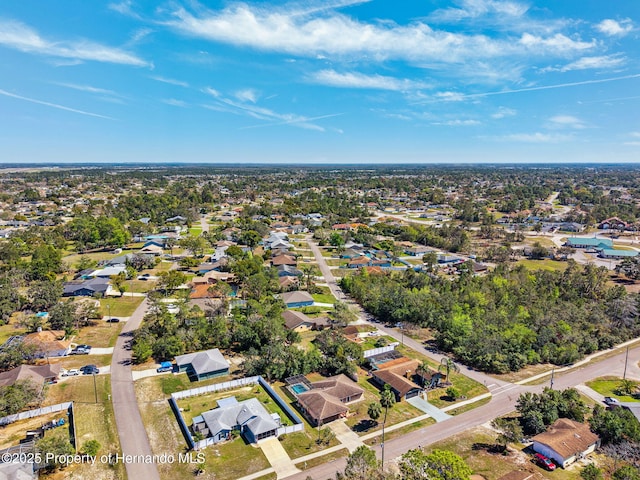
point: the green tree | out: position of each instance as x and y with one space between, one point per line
453 393
46 262
591 472
85 262
374 410
627 472
141 350
54 448
438 465
43 294
14 398
91 448
510 431
62 317
169 281
362 464
447 365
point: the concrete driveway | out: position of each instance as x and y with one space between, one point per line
278 457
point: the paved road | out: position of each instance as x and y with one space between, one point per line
502 402
133 436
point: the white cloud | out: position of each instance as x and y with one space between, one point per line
450 96
606 62
471 9
614 28
459 123
20 37
635 134
247 95
170 81
52 105
332 34
536 137
503 112
173 102
271 117
566 121
361 80
632 144
89 89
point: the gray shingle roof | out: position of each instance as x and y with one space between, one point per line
203 362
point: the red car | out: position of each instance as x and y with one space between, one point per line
544 462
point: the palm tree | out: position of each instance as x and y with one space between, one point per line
448 365
422 371
374 411
387 400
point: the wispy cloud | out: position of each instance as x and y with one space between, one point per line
273 118
170 81
125 7
173 102
52 105
361 80
89 89
247 95
614 28
606 62
448 95
289 31
20 37
458 123
536 137
503 112
566 121
472 9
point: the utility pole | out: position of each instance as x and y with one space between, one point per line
626 361
553 371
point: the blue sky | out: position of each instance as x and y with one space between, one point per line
341 81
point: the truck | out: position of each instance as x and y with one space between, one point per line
165 367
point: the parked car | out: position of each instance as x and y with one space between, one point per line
112 320
165 367
544 462
71 373
90 370
611 402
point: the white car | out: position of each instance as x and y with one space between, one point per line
71 373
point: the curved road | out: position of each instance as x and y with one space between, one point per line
131 430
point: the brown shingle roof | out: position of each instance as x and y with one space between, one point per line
47 340
397 382
321 405
283 260
340 386
567 437
38 374
293 319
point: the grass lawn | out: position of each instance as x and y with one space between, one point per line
390 435
168 384
140 286
120 306
9 330
471 446
607 386
195 231
80 389
77 361
95 421
323 298
546 264
229 460
101 335
329 457
466 386
336 262
97 257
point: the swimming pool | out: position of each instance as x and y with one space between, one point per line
299 388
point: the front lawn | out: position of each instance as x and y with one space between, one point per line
607 386
120 306
323 298
102 334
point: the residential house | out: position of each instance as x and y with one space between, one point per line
289 271
288 283
359 262
48 343
249 417
279 260
613 223
572 227
203 365
40 374
86 288
300 322
418 250
566 441
152 249
327 399
296 299
398 374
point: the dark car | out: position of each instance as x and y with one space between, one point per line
544 462
112 320
90 370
